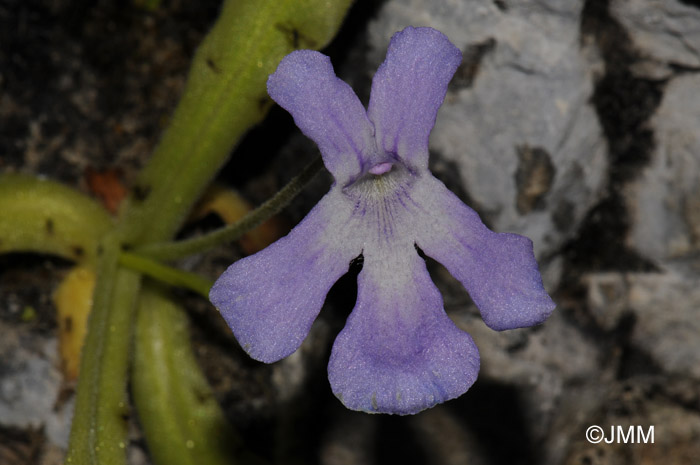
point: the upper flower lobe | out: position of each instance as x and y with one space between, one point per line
399 352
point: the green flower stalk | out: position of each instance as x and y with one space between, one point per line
224 97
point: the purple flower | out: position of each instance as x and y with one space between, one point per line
399 351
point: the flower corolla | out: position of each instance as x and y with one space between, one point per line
399 351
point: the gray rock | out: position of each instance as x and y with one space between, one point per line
667 32
664 305
30 381
667 325
664 201
520 129
607 296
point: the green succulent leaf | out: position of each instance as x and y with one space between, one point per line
43 216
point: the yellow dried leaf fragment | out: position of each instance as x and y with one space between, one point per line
73 301
230 206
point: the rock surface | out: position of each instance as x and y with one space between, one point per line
667 33
665 201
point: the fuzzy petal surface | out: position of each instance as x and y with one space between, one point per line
408 89
399 352
497 269
327 110
270 299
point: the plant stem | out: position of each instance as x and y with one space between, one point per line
166 274
173 250
98 432
226 94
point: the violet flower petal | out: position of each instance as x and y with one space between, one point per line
327 110
497 269
270 299
399 352
408 89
